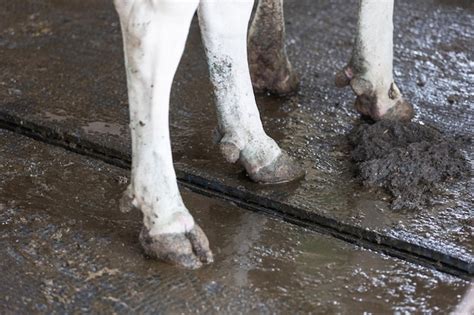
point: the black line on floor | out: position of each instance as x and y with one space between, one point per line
354 235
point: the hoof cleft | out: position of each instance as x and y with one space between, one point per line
188 250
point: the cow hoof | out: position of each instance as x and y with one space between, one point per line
375 103
367 106
189 250
283 85
402 111
283 169
280 81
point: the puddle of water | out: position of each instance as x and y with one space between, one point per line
105 128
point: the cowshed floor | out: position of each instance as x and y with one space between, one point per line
322 245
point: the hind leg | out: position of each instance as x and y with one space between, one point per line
224 32
154 34
270 68
370 70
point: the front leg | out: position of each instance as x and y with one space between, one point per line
270 68
154 34
370 71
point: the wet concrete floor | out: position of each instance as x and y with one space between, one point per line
66 248
62 76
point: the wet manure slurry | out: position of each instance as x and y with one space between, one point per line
410 161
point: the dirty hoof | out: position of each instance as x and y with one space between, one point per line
375 103
283 169
402 111
279 81
188 250
367 106
252 156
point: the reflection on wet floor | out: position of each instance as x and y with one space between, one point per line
67 247
105 128
64 245
77 73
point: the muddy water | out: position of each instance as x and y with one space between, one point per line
66 247
64 58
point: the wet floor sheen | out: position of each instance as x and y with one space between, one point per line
66 247
62 71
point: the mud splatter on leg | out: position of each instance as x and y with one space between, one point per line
241 134
370 70
270 68
154 34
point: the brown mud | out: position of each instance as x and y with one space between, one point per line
409 160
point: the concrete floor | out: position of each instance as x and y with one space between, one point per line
63 80
66 247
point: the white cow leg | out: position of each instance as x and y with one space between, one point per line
224 31
154 34
370 71
270 68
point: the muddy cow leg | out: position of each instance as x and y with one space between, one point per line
269 65
154 34
370 70
224 31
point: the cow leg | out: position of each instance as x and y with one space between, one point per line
370 70
224 31
269 65
154 34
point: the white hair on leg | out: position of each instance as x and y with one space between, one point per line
224 30
154 34
370 71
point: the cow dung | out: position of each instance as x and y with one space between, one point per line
409 160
